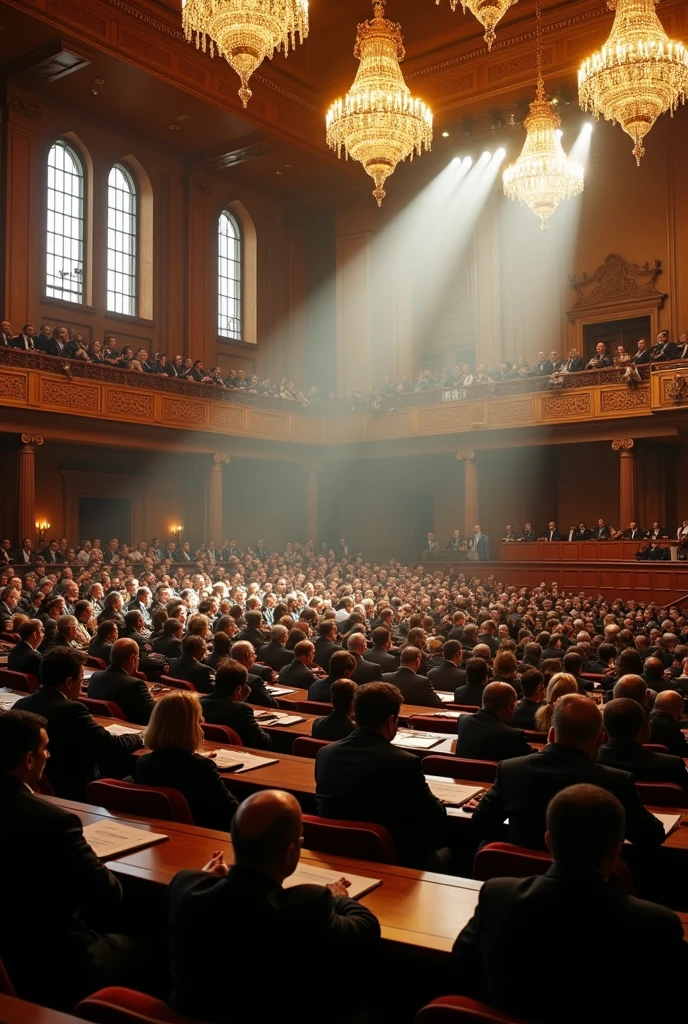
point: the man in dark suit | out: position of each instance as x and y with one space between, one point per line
77 743
477 678
24 656
119 684
657 532
243 652
72 894
574 363
602 531
665 723
298 672
274 653
101 644
583 533
585 831
487 735
449 676
319 921
142 603
134 628
642 356
682 347
664 350
525 785
50 553
552 533
190 666
252 631
170 643
543 367
339 723
365 778
380 654
481 544
626 727
600 361
414 688
533 690
325 644
9 599
25 554
366 671
57 344
6 337
226 705
342 666
529 534
633 532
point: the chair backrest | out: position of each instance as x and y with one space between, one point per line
313 707
6 986
23 681
432 724
662 794
361 839
93 662
221 734
658 748
284 704
11 638
535 737
154 801
306 746
116 1005
504 860
458 1010
141 675
177 684
460 768
104 708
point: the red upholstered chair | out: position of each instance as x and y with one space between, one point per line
460 768
360 839
22 681
432 724
177 684
93 662
10 638
117 1005
504 860
221 734
459 1010
306 746
141 675
43 786
662 794
103 708
658 748
129 798
6 986
313 707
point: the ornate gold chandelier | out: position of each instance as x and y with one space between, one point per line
543 176
245 32
637 75
488 13
378 122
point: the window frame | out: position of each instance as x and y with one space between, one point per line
133 216
236 260
54 291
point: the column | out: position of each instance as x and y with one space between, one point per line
215 519
26 500
471 497
312 503
628 502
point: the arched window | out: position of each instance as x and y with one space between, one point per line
64 271
229 323
122 242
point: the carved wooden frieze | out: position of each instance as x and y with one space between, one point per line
623 401
616 286
571 405
135 404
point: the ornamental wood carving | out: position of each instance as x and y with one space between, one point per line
449 417
620 401
520 411
191 414
558 406
72 395
13 387
617 286
130 403
623 444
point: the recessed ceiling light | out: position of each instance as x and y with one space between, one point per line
99 81
445 135
174 127
183 117
94 92
278 172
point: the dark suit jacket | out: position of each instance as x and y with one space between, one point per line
254 636
510 915
23 658
387 661
636 534
24 341
482 736
78 745
366 671
99 649
447 676
415 689
585 534
525 785
296 674
334 726
320 689
524 715
193 672
364 778
641 358
552 535
168 646
601 533
130 693
196 777
324 649
275 655
644 765
259 695
471 693
663 729
220 710
306 917
71 893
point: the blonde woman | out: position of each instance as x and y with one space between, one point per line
559 684
174 736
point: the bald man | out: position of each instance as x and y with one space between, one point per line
525 785
487 735
231 930
634 688
665 723
118 683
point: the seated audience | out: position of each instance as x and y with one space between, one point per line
533 690
319 921
477 678
243 652
174 737
297 673
380 653
365 671
118 683
665 723
101 644
363 777
342 666
169 643
560 684
487 735
325 643
339 723
626 727
24 656
222 647
414 688
190 665
585 829
226 705
448 676
275 653
525 785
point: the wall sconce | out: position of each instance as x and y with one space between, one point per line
177 531
42 528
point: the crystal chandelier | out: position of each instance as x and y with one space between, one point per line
245 32
637 75
542 176
378 122
488 13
